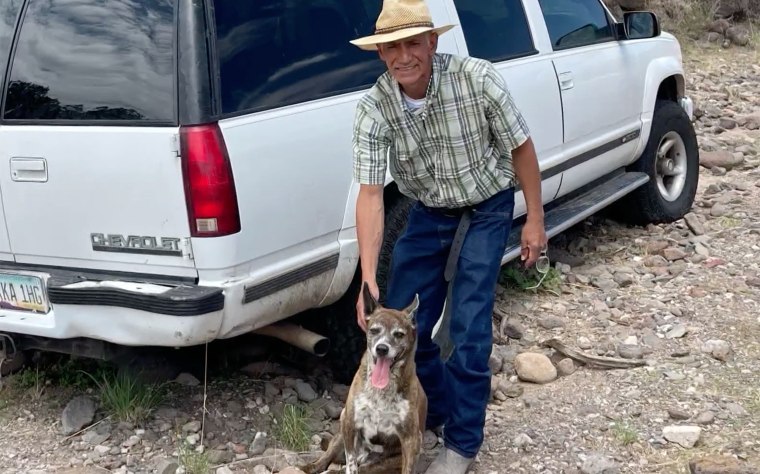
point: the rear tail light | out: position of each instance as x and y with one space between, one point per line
209 185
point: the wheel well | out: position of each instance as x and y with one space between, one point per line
670 89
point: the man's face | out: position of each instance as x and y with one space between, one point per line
410 60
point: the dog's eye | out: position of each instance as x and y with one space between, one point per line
398 334
374 331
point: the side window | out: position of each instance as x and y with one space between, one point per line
9 14
495 30
104 60
273 53
574 23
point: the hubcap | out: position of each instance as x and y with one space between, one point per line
671 166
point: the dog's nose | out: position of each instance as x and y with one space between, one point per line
382 350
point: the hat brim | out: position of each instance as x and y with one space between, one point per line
369 43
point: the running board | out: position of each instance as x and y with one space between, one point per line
578 208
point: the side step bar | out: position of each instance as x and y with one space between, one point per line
577 208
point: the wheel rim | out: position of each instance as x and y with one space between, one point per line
671 166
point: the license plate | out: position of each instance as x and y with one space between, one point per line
23 293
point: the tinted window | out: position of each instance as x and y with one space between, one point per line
8 13
104 60
273 53
574 23
495 29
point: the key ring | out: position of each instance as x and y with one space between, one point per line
543 264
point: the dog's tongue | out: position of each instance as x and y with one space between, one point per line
381 372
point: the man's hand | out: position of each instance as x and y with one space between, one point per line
528 174
360 316
533 241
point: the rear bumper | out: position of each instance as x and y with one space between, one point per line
120 311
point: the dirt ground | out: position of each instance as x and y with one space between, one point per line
682 298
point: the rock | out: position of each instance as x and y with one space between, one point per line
93 437
223 470
596 463
584 343
551 322
494 363
188 380
685 436
717 348
305 392
738 36
261 469
678 414
79 412
673 253
333 409
191 427
167 466
522 440
720 465
694 223
566 367
678 331
259 444
534 367
705 418
720 158
291 470
512 328
220 456
750 122
727 123
628 351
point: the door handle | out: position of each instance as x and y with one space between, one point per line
29 170
566 80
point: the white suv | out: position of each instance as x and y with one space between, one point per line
178 171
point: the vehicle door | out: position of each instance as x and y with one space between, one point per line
90 174
498 31
8 24
601 101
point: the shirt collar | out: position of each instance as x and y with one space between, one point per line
433 85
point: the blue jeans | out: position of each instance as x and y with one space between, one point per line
458 391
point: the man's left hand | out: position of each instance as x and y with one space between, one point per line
533 241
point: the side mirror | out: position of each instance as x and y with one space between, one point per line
641 25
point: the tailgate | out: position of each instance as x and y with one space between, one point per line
107 198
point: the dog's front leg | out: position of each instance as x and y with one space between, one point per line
410 450
352 460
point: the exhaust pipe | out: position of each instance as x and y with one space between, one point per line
297 336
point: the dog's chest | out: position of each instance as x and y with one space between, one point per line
380 413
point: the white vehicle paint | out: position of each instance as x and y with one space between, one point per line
280 177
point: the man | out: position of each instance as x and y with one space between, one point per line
450 134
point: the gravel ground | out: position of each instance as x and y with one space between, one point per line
682 299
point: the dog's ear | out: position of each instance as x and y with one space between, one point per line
411 310
370 303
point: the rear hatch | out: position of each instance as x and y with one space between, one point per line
92 176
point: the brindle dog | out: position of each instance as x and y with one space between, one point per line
382 424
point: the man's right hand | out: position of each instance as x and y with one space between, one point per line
360 316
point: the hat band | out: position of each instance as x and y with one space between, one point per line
382 31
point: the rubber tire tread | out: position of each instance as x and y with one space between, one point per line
646 205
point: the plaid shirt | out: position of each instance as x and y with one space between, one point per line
452 152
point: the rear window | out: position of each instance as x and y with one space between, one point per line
273 53
94 60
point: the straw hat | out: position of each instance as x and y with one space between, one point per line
400 19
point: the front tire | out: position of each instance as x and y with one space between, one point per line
338 321
671 159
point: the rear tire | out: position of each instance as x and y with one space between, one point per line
671 159
338 321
